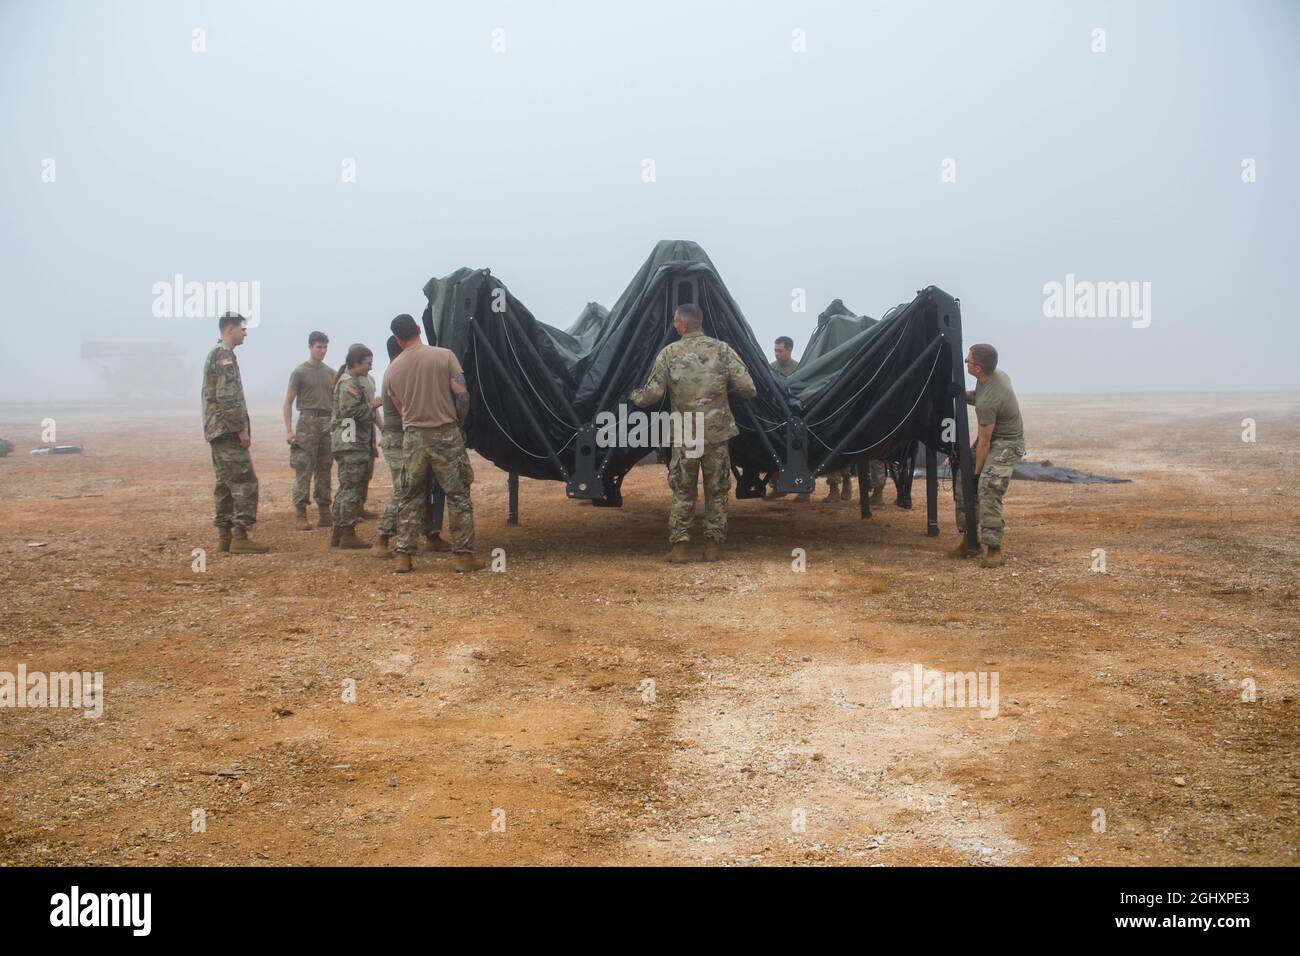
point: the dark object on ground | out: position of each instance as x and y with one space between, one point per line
1045 471
58 450
6 447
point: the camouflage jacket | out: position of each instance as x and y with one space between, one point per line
351 404
696 371
224 410
784 372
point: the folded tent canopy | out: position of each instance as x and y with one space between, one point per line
864 389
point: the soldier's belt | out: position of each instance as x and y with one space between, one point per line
315 412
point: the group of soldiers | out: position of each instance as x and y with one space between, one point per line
342 422
417 422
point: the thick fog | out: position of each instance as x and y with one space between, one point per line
334 156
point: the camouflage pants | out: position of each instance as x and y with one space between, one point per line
352 476
837 475
370 473
683 475
993 483
235 492
311 459
879 474
396 458
439 450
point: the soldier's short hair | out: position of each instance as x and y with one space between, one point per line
317 337
229 319
786 341
404 327
690 315
985 356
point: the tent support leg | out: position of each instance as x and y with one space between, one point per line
931 492
864 502
512 490
965 473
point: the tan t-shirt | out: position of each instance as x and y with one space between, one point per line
419 381
996 405
314 385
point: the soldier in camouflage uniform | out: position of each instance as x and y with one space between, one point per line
229 435
785 366
391 441
696 372
351 436
311 384
428 390
999 446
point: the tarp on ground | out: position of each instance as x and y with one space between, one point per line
535 388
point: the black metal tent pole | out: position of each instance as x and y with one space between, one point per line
965 470
931 492
481 340
837 451
512 491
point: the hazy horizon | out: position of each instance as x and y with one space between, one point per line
827 169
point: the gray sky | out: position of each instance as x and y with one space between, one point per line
818 170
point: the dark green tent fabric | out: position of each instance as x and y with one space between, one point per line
869 390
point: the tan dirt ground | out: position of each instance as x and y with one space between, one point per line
526 691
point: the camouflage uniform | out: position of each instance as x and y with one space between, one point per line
310 458
225 415
352 457
309 455
368 385
993 483
441 450
878 474
837 475
391 442
696 371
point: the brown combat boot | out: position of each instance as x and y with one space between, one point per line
831 496
463 562
239 543
993 557
348 539
679 553
380 550
846 493
877 496
334 537
961 551
712 550
435 542
803 498
304 524
401 563
325 520
223 539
